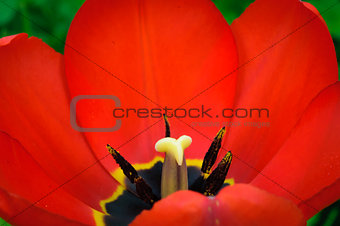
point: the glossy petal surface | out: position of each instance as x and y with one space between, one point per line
239 204
22 177
308 163
150 54
35 105
288 57
11 204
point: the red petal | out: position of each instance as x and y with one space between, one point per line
240 204
6 40
324 198
243 204
35 110
292 58
183 207
12 205
308 162
150 54
314 10
21 175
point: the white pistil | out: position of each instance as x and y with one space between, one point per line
174 172
174 147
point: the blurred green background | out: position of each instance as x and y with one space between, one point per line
50 20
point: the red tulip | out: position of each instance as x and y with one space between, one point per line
151 54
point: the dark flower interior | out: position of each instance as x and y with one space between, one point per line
128 205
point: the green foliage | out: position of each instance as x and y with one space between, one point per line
232 9
7 15
46 19
3 222
327 217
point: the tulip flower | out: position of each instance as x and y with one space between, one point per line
278 55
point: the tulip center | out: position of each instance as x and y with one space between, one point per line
143 186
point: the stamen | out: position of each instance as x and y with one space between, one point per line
127 168
167 126
216 179
211 156
144 191
174 172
